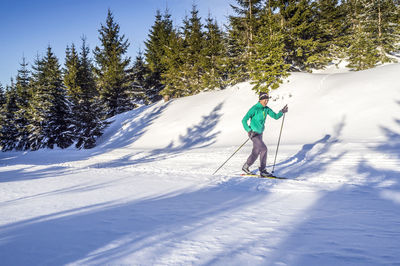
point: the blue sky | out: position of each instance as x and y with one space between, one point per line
29 26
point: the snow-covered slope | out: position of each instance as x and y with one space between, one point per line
360 103
146 194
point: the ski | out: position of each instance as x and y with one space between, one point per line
259 176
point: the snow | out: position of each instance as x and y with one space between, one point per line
146 194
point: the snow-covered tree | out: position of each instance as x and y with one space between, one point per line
49 110
86 107
9 132
139 77
2 95
23 97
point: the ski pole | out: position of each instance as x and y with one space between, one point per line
232 155
279 140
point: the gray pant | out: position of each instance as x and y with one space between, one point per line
259 149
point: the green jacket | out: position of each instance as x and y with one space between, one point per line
258 114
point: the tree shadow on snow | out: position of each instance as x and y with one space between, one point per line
390 149
196 137
308 159
103 233
354 224
350 225
128 129
125 130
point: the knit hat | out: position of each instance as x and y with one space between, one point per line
263 95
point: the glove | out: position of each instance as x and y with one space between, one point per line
252 134
284 109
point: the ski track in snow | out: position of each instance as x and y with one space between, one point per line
143 198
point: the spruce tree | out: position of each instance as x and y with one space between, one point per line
71 79
182 58
23 98
158 39
91 123
9 132
81 87
193 42
235 65
302 43
2 112
73 88
139 77
49 109
382 23
268 60
3 101
213 55
111 68
333 26
362 52
173 59
37 106
59 126
2 95
248 14
241 34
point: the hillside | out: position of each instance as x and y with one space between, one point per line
146 194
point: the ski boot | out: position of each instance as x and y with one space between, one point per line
265 173
246 169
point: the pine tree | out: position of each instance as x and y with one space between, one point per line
241 35
268 60
332 24
213 55
362 52
23 98
158 39
2 95
173 59
37 106
91 111
73 88
302 44
235 65
9 132
81 87
49 110
139 76
58 129
183 59
71 78
382 22
2 112
248 13
193 45
111 69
